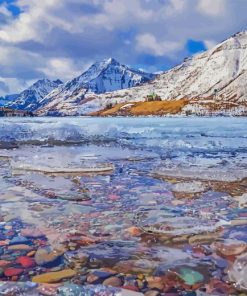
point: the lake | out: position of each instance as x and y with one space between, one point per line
109 205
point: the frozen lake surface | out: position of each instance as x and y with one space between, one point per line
137 203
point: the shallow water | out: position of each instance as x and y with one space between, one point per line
152 202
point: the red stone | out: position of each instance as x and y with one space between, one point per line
13 271
26 261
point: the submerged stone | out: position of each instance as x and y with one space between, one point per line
155 282
54 277
48 257
31 233
26 262
113 281
238 272
190 276
152 293
230 247
20 248
4 263
13 271
19 240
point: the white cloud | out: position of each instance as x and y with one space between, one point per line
212 7
148 43
13 58
40 17
14 85
60 38
63 68
36 21
175 6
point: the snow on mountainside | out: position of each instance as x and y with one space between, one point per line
212 79
30 98
6 99
106 76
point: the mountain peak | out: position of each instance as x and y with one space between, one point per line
46 81
99 66
30 98
103 76
58 81
111 61
106 76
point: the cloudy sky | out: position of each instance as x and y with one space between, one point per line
61 38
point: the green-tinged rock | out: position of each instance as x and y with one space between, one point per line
190 276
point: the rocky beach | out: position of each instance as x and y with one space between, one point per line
123 206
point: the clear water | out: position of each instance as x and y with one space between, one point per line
171 178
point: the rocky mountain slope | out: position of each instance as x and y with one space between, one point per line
105 76
29 99
7 99
213 81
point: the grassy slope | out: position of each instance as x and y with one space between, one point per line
144 108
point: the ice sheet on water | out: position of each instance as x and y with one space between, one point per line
57 160
88 168
190 187
187 133
210 147
69 159
178 225
215 173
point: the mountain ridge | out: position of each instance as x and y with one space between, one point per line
212 82
101 77
29 99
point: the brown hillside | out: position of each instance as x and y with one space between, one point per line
144 108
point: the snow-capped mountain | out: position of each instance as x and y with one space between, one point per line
30 98
6 99
105 76
213 79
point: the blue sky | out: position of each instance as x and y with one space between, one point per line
12 7
62 38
